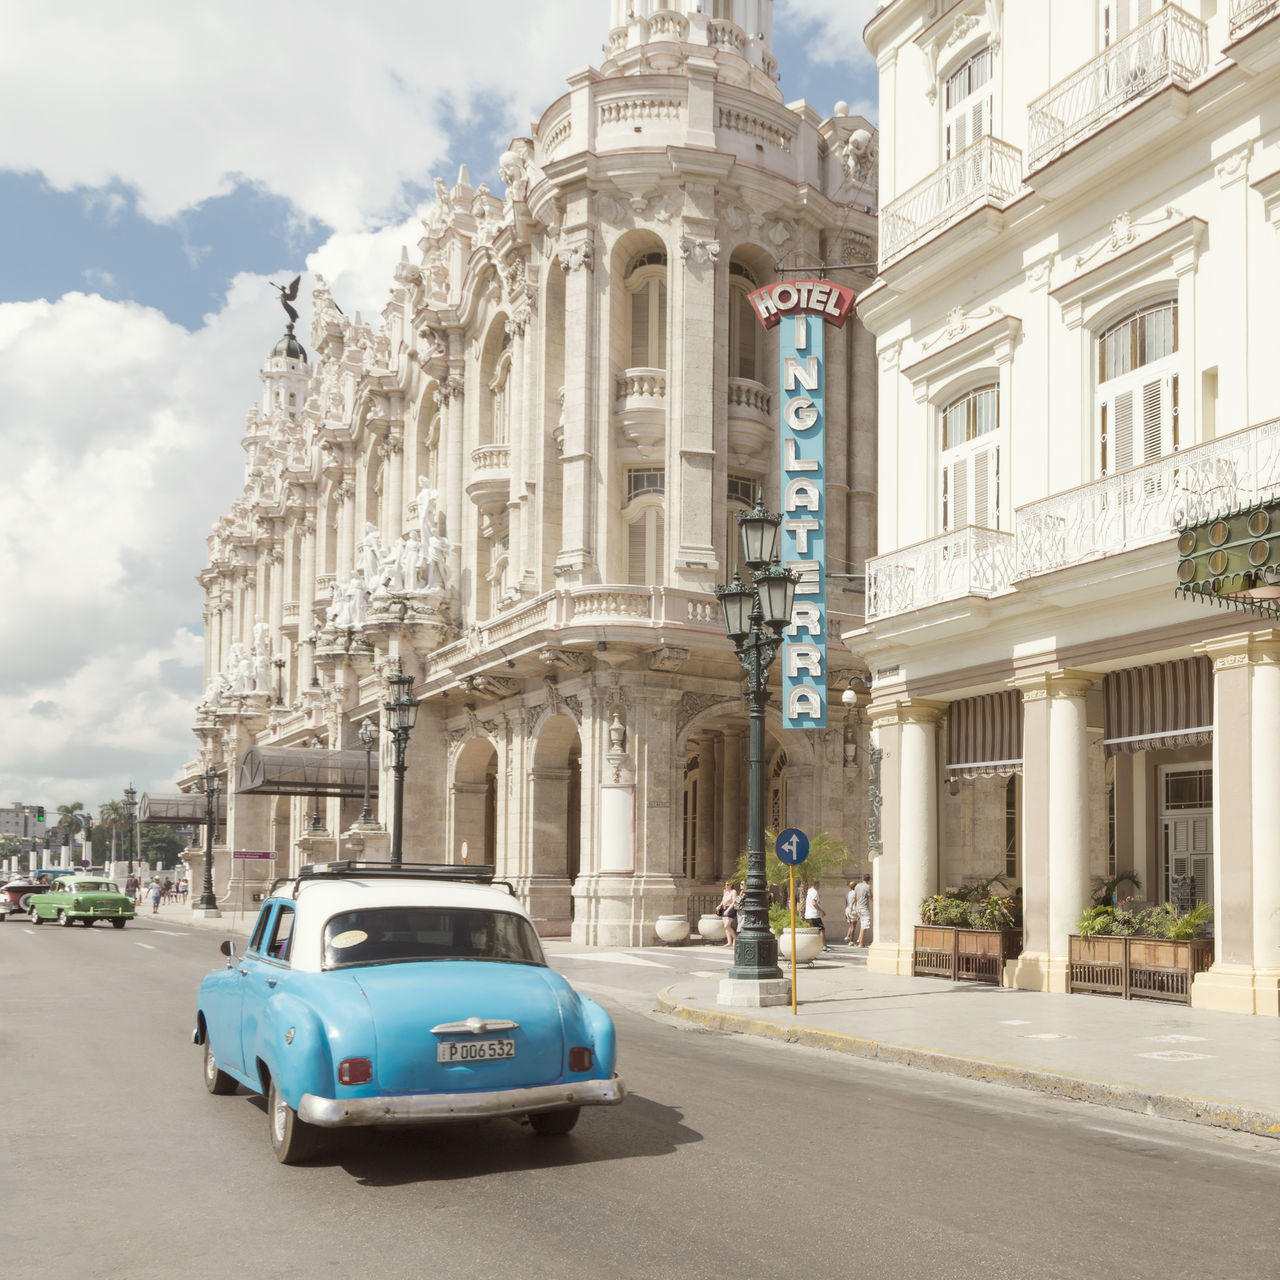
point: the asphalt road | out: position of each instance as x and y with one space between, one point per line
732 1157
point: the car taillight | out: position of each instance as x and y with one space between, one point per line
355 1071
579 1059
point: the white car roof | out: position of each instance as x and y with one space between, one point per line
320 898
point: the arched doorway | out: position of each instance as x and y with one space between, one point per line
475 804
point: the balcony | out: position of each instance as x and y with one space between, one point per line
1145 504
968 562
490 483
640 408
989 173
1170 49
750 420
1254 43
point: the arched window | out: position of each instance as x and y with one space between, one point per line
646 525
1137 388
500 402
746 334
971 472
646 284
741 496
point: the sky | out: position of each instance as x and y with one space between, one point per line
160 166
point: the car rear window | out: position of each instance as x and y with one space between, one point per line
390 935
96 886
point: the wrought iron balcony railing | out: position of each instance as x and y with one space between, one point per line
1170 48
1246 14
968 562
988 172
1146 504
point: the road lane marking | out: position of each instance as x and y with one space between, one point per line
1177 1055
614 957
146 945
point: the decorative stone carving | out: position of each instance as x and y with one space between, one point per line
699 252
575 256
693 705
669 658
569 659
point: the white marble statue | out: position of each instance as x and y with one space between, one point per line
411 560
389 571
357 600
239 669
261 659
369 553
438 549
333 616
217 689
428 515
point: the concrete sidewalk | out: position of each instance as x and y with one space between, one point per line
1139 1055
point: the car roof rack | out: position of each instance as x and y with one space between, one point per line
351 869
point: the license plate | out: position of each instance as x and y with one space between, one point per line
475 1050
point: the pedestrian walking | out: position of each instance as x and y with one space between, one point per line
862 908
850 911
813 913
182 890
167 888
155 893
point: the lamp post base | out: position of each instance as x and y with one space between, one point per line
206 913
751 993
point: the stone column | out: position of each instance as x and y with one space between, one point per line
907 869
733 839
393 450
1245 975
576 561
307 601
708 788
1055 824
346 495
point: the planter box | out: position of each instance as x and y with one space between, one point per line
1137 968
965 955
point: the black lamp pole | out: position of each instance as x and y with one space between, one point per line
754 618
368 735
317 822
212 785
278 663
402 713
130 803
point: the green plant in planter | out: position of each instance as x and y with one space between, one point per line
1164 921
780 918
973 907
993 912
945 909
1106 890
826 860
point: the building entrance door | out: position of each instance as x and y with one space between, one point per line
1186 836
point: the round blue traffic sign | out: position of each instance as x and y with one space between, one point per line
792 846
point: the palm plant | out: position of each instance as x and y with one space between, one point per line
1105 890
113 814
72 817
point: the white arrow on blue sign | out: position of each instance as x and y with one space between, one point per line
792 846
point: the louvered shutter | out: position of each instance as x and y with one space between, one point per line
640 328
955 482
986 488
636 548
1116 433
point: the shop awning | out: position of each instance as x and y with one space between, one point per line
305 771
179 809
984 735
1168 704
1233 560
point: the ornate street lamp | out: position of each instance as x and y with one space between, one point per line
212 785
368 735
312 640
402 715
278 663
317 822
131 804
754 618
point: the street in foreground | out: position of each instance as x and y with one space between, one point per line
729 1154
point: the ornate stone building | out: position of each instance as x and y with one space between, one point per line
520 486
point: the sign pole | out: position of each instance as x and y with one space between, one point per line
791 876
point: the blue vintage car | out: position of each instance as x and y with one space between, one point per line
367 996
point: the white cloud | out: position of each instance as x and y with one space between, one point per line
333 105
838 38
120 431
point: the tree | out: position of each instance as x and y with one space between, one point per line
160 843
72 818
115 815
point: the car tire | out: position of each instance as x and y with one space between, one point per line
551 1124
87 921
292 1140
119 924
215 1079
64 920
35 919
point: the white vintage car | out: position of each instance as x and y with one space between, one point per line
373 996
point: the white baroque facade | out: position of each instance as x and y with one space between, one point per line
520 487
1075 324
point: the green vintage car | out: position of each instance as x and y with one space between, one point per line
83 898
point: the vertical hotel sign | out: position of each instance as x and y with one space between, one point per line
802 309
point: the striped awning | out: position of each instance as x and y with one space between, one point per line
984 735
1168 704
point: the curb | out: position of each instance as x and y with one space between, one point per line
1214 1112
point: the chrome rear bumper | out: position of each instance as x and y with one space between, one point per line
422 1108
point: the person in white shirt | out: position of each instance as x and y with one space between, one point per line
862 906
813 913
850 914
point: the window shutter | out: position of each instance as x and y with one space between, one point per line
640 327
636 552
980 118
1155 419
1122 431
985 497
658 356
956 488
